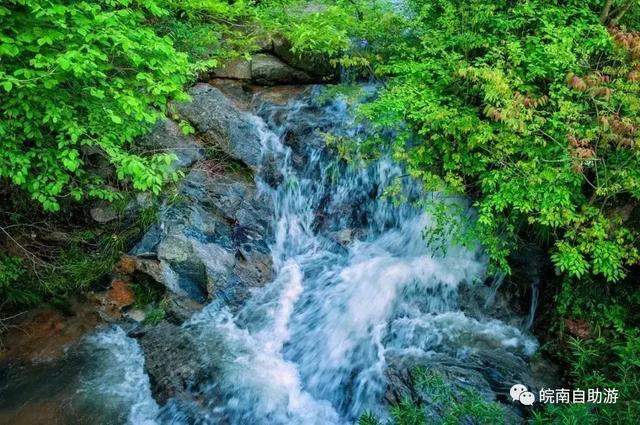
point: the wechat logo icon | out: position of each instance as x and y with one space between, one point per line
520 393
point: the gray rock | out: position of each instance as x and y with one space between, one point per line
171 360
136 315
213 242
167 137
267 69
223 124
488 373
189 275
237 69
179 309
103 212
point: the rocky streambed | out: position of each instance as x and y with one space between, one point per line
294 292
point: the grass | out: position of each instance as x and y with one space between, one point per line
445 406
55 270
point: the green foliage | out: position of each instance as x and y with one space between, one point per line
529 107
13 291
438 403
368 419
154 315
608 357
81 259
341 30
87 258
81 79
209 31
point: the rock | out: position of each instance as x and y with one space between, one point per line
120 294
167 137
213 243
222 123
189 270
179 309
103 212
491 381
280 95
142 201
239 92
237 69
267 69
44 334
264 42
171 360
317 66
136 315
344 237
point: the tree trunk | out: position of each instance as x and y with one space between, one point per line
621 12
604 15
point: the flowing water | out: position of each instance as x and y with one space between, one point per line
355 285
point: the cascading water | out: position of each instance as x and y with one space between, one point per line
311 347
355 286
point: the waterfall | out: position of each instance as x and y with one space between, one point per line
312 346
356 287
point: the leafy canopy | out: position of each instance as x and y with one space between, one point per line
82 79
530 107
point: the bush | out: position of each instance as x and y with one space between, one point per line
83 80
13 287
531 108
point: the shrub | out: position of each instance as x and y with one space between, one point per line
80 80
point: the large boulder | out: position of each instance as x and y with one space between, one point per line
220 122
237 69
267 69
213 242
283 68
167 137
487 375
171 361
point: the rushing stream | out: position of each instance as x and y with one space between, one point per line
356 289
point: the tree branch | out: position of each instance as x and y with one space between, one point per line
604 15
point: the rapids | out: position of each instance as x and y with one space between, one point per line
355 285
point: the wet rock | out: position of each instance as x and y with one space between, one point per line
222 123
267 69
344 237
44 334
179 309
213 243
280 95
170 360
488 375
191 274
167 137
